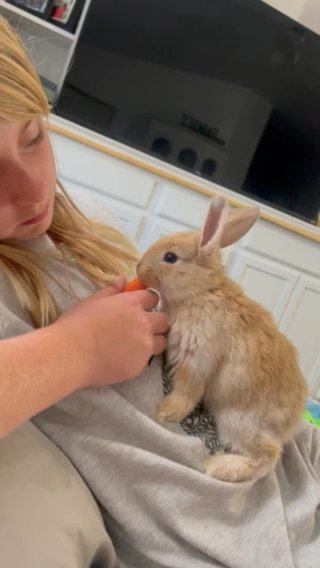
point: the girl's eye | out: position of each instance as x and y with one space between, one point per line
36 140
170 257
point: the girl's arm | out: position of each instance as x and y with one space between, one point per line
104 339
36 370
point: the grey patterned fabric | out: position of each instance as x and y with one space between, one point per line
198 423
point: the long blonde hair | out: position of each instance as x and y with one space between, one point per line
100 251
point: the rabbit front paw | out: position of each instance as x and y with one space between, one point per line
174 408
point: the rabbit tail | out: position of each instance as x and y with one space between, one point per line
240 467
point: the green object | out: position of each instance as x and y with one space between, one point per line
307 416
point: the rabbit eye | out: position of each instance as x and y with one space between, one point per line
170 257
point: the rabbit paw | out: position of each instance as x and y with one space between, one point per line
174 409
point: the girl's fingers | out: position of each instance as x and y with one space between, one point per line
148 300
160 344
159 323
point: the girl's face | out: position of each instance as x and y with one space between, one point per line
27 179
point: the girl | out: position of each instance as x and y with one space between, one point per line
158 506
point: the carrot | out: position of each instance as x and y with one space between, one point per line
134 285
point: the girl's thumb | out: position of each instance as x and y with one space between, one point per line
117 286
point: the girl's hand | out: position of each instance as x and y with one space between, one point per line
114 334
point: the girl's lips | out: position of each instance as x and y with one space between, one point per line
38 218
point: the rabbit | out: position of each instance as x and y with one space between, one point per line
223 348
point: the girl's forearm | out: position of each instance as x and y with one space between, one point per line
37 370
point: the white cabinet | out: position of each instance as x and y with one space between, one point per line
155 228
102 173
288 248
301 324
105 209
181 206
264 280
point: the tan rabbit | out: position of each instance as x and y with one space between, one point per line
224 348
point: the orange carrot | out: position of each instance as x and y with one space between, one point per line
134 285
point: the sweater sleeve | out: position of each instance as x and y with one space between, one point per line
13 319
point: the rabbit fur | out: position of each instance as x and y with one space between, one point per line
224 348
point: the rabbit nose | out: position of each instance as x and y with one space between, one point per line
143 268
139 268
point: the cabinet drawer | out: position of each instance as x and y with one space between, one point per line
156 228
267 239
264 280
110 211
95 170
182 205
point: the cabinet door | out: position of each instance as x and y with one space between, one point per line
100 172
301 324
180 205
97 206
155 228
264 280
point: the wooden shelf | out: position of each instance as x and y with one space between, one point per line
16 11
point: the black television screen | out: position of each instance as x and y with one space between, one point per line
229 90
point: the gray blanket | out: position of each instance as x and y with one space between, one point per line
160 508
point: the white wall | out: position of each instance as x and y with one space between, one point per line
292 8
310 15
307 12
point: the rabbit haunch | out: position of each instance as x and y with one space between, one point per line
224 348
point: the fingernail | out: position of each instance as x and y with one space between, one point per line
119 282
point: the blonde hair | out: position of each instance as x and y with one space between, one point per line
100 251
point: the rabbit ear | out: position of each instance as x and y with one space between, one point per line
238 224
212 229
